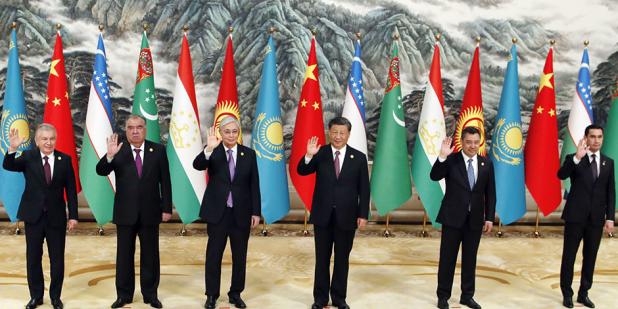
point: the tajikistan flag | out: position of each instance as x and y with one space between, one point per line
431 132
185 142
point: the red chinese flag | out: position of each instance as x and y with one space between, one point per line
541 151
471 114
309 123
58 109
227 101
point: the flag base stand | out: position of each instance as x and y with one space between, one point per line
183 231
264 231
499 234
17 229
536 233
610 235
387 233
424 233
101 231
305 230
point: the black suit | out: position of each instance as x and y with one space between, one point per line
43 209
589 204
462 214
336 206
138 205
223 221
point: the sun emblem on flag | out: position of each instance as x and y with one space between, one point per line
471 117
269 141
223 109
14 121
508 145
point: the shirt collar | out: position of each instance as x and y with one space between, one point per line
140 147
466 158
341 151
234 149
51 156
597 153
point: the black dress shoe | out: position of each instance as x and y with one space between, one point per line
153 302
121 302
585 301
237 301
316 306
342 306
442 303
567 302
57 304
211 302
34 302
470 303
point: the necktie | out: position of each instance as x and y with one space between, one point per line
470 174
337 165
138 162
593 165
232 166
47 169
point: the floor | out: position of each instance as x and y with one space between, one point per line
514 271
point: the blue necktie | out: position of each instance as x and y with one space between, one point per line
470 174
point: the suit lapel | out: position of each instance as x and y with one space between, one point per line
221 151
39 163
240 160
459 160
147 158
57 165
331 161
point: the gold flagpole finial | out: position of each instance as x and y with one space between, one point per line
586 43
514 40
58 26
552 42
438 36
101 27
272 30
314 31
145 26
395 37
478 40
358 35
13 25
185 28
230 29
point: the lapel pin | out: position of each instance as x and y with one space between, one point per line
60 158
151 150
351 156
482 163
603 163
242 153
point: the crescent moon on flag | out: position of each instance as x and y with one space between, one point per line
151 117
398 121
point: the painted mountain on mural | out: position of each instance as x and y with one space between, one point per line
532 22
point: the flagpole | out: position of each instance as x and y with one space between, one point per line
305 231
537 234
264 231
499 233
387 233
17 229
424 233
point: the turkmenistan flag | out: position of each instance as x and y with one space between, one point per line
390 178
144 99
98 190
185 141
610 142
431 133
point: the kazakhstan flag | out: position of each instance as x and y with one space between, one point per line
13 116
507 149
267 141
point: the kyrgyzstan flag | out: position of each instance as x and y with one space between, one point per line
227 101
541 151
309 123
58 109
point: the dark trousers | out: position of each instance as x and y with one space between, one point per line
149 260
36 233
449 248
573 235
217 240
325 237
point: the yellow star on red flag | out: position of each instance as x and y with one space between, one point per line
52 67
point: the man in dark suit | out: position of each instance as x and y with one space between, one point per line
49 176
340 205
143 199
231 206
591 203
468 208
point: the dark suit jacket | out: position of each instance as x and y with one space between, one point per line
245 187
349 193
38 193
144 198
588 200
482 198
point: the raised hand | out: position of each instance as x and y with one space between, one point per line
112 146
582 149
212 140
14 140
312 147
446 149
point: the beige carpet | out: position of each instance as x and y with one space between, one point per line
515 271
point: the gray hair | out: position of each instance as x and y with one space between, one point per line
45 127
135 116
227 120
